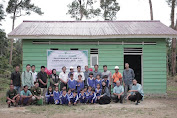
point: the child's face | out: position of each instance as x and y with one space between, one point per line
92 91
82 92
80 77
90 88
74 93
69 91
91 76
50 89
56 89
98 77
64 88
71 77
64 92
85 89
98 86
105 78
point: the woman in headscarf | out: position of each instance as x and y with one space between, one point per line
105 95
54 79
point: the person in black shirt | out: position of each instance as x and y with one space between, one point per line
42 79
12 96
16 79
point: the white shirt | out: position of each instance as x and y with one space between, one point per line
78 73
34 74
63 76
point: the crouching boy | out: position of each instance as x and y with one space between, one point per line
25 96
12 96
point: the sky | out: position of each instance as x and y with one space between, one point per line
55 10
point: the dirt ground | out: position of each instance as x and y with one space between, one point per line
151 107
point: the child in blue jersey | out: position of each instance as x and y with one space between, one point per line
88 92
98 81
80 83
70 93
49 96
74 98
64 98
82 97
98 91
105 79
92 96
91 80
64 88
56 96
72 83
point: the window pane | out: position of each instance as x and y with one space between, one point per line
94 60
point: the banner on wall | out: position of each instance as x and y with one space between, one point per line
56 59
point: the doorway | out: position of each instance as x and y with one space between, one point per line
135 62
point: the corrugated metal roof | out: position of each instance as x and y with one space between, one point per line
92 29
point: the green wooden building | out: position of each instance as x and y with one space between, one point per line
142 44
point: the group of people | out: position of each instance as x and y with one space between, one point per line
73 87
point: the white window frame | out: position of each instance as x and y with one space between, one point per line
93 55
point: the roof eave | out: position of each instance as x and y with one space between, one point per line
92 37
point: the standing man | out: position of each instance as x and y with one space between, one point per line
118 92
71 71
63 78
34 73
96 71
117 76
128 76
136 93
86 74
27 77
79 73
108 73
16 79
42 79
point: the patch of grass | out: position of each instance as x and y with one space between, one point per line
172 88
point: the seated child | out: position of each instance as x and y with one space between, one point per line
88 92
64 88
65 98
49 95
72 83
80 83
98 91
82 96
98 81
92 96
91 80
70 93
105 79
74 98
26 96
56 96
12 96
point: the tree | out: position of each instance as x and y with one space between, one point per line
110 8
172 4
2 13
151 10
83 8
20 8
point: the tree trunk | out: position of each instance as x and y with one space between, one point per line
12 40
174 39
151 10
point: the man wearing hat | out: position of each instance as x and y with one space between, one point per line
117 76
71 71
